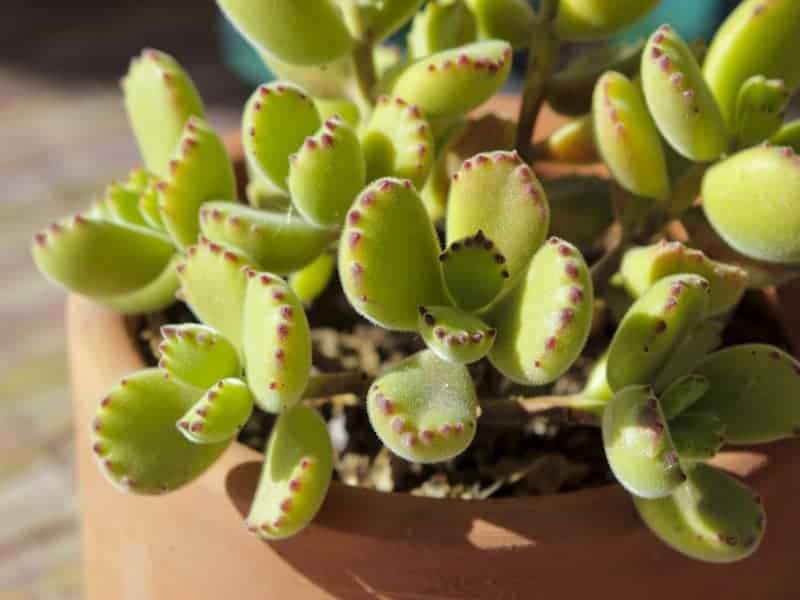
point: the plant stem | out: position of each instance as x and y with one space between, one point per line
365 75
542 58
507 412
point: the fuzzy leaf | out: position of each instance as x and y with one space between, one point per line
573 142
424 409
570 90
755 391
200 171
302 33
638 444
219 414
597 387
644 265
276 342
697 436
682 393
388 257
297 471
280 242
135 440
152 297
510 20
454 335
712 517
197 355
309 282
99 258
758 38
543 324
582 20
453 82
213 282
474 271
752 200
327 173
788 135
679 99
159 98
654 327
698 343
760 108
627 138
148 206
378 19
397 142
441 25
500 195
122 202
277 119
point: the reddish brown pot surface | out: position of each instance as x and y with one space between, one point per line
366 544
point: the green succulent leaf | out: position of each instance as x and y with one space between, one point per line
276 342
697 436
712 517
219 414
758 38
340 108
213 282
135 440
99 258
760 107
510 20
297 471
397 142
197 355
455 81
582 20
200 171
441 25
388 256
703 339
376 20
327 173
754 390
573 142
455 335
160 97
300 33
752 200
654 327
627 138
682 394
570 90
280 242
499 194
148 206
122 203
788 135
642 266
580 208
638 444
474 271
152 297
309 282
543 324
277 119
597 387
679 99
424 409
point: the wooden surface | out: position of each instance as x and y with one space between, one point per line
63 135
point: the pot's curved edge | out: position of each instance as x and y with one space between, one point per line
101 349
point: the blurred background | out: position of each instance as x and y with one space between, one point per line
63 136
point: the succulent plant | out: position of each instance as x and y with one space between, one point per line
367 170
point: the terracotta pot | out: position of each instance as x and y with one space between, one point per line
366 544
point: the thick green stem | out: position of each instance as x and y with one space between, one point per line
542 58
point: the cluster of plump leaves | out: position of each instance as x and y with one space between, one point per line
435 225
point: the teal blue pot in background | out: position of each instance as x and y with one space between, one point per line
693 19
